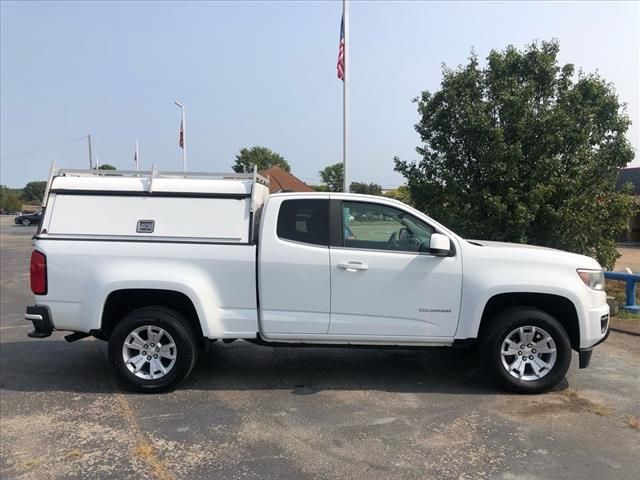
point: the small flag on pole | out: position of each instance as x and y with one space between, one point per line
341 52
181 140
135 156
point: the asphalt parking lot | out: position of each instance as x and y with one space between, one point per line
257 412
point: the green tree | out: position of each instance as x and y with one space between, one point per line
401 193
106 166
34 191
262 157
366 188
332 176
9 200
320 188
523 150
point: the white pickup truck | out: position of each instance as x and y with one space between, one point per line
159 264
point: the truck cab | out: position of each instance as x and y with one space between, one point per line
355 267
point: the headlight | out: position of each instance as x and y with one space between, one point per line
592 278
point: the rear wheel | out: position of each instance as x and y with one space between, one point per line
527 350
152 349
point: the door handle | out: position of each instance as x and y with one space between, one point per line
353 266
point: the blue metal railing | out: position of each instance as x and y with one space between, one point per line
631 279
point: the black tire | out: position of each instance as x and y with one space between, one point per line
503 324
172 322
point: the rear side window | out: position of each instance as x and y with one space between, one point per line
305 221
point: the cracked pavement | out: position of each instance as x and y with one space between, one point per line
250 411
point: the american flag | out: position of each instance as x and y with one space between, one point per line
181 139
341 52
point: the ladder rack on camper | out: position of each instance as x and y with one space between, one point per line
152 174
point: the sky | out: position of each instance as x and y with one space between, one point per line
264 73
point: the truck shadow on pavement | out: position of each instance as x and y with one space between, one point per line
309 370
54 365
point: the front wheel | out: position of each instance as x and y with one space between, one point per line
152 349
26 222
527 350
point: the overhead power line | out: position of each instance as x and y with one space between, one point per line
43 149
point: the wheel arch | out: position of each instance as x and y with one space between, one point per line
559 307
123 301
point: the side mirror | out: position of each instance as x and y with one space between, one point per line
440 245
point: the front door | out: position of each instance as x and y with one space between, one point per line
385 283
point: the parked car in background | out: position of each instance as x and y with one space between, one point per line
27 219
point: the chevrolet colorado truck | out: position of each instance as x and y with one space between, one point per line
160 264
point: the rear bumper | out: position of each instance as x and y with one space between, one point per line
41 318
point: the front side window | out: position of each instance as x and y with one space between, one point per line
379 227
304 220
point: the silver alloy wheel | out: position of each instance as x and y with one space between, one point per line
149 352
26 222
528 353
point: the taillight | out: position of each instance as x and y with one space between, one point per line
38 273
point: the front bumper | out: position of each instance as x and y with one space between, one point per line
584 354
594 325
41 318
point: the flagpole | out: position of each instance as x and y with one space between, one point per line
345 97
184 137
90 152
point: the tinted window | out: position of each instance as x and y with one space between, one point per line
304 221
379 227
